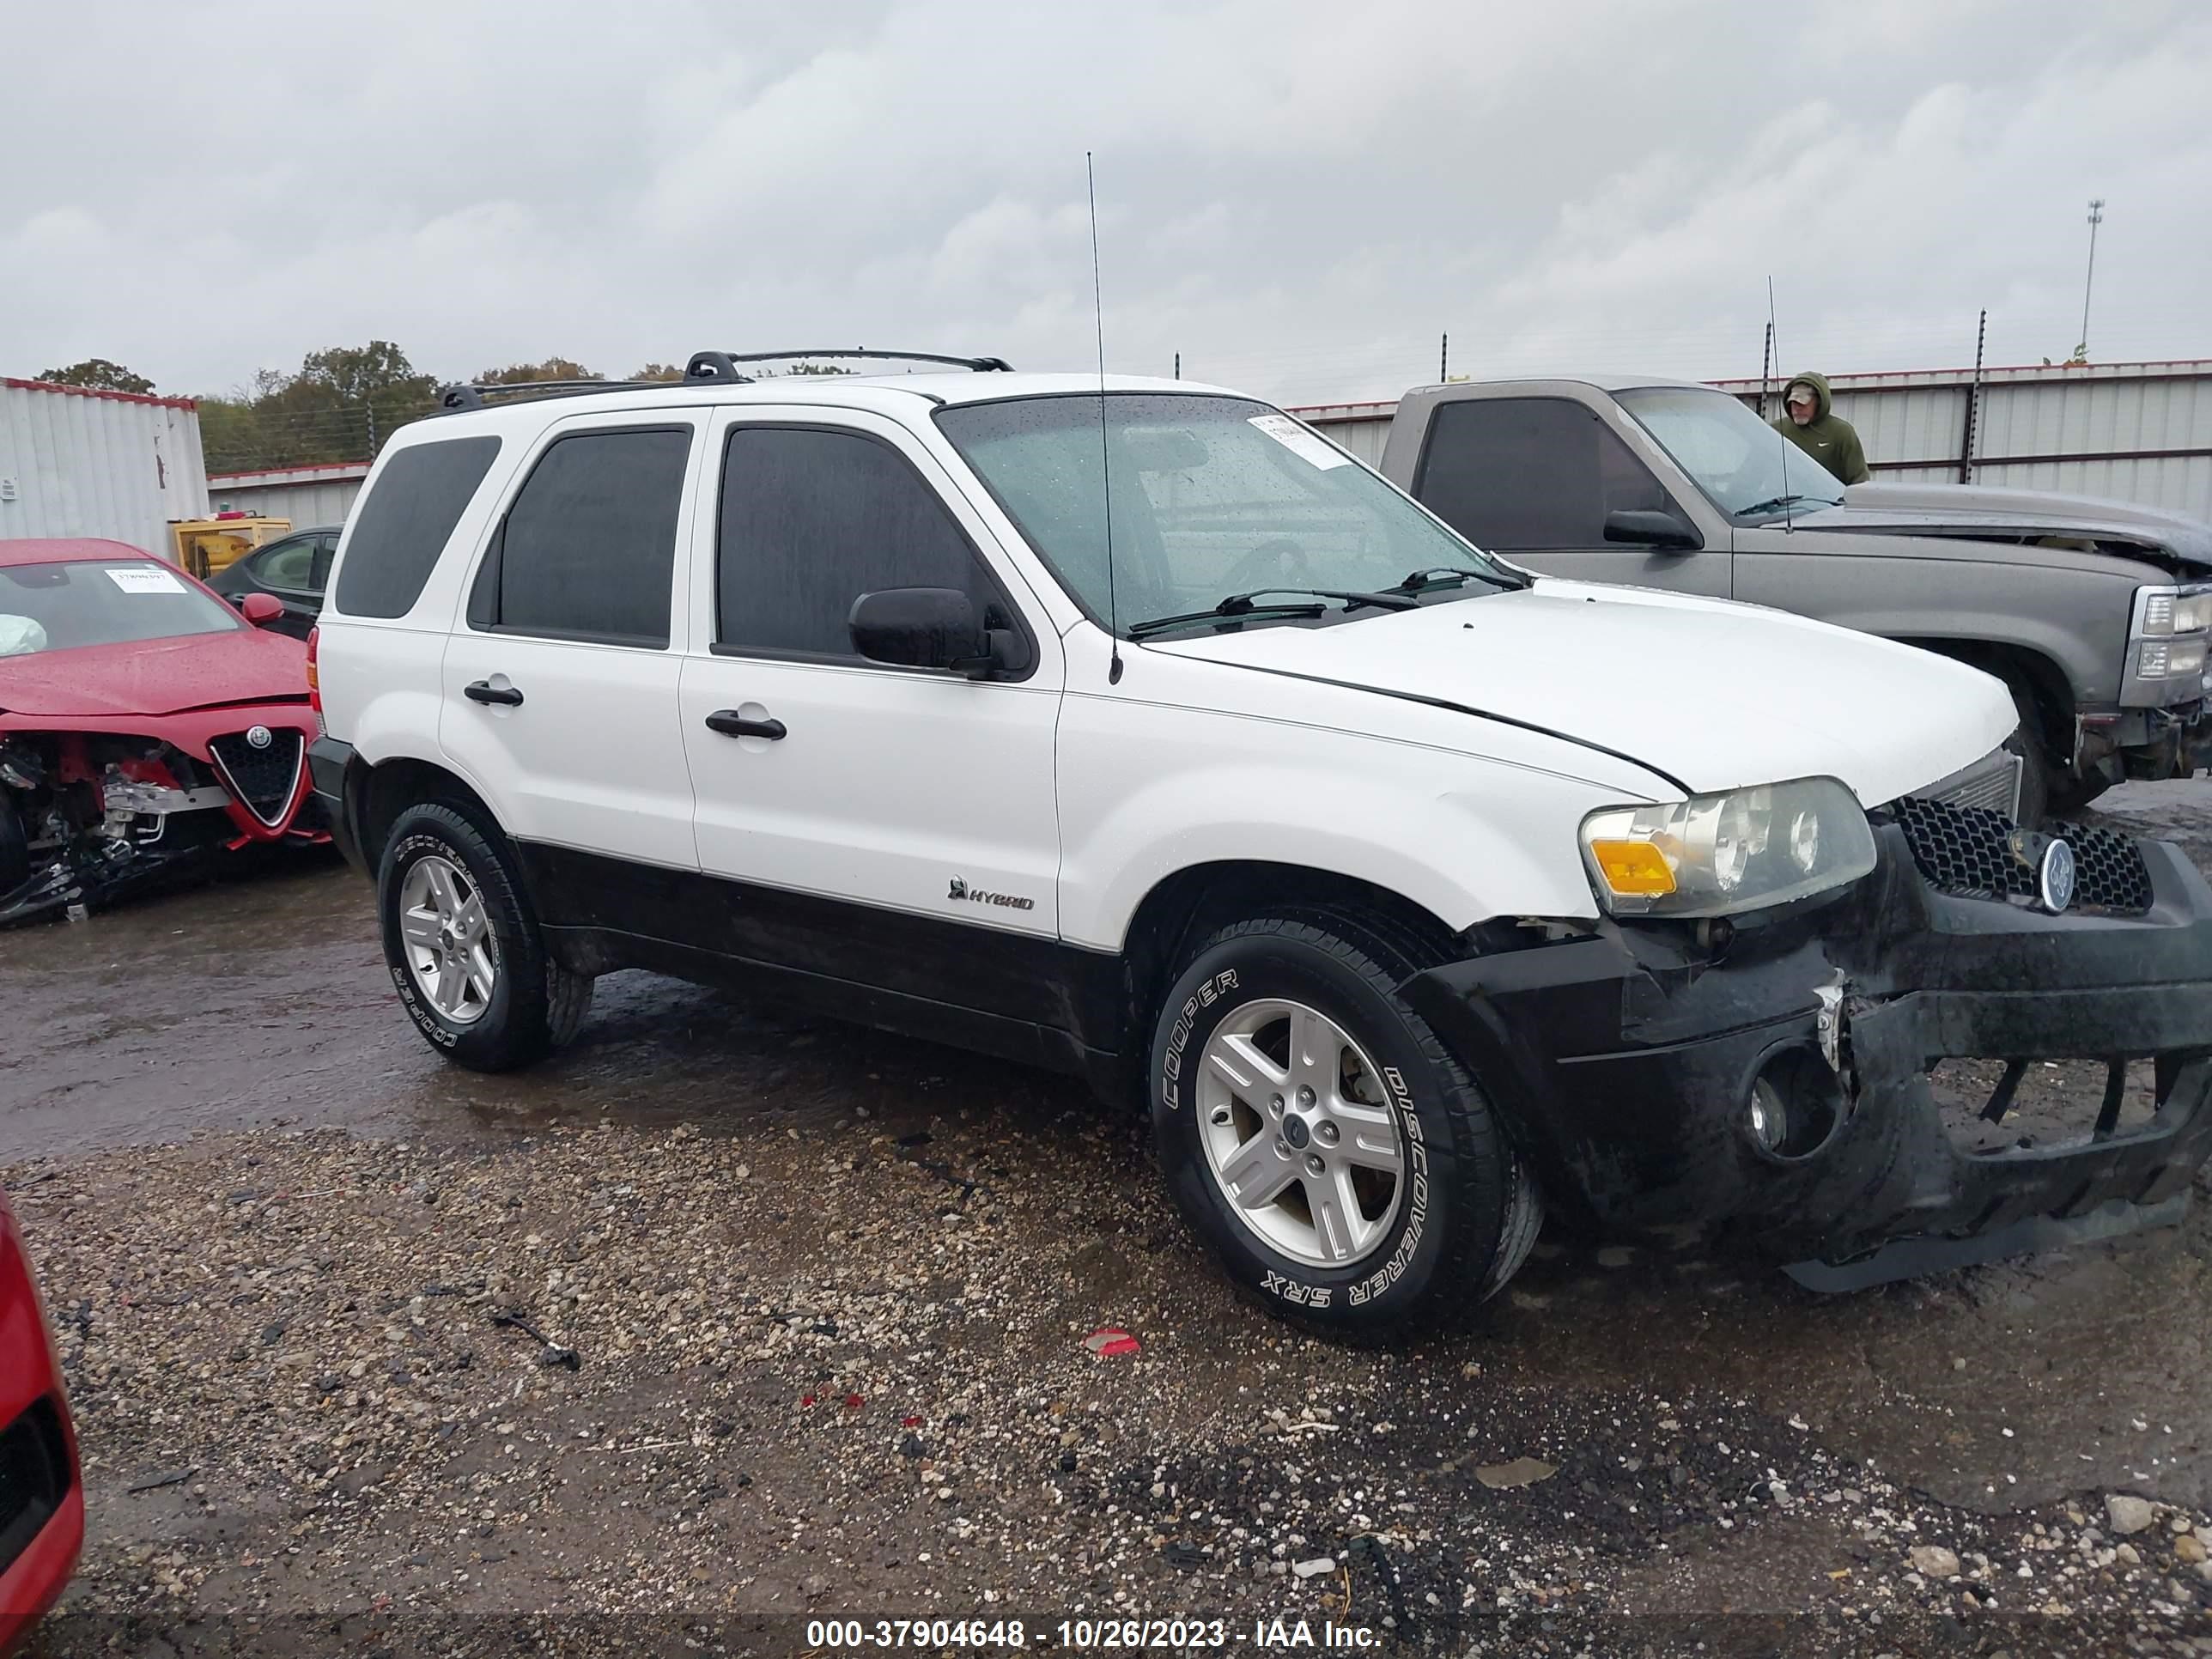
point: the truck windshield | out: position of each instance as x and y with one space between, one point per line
55 607
1211 496
1748 469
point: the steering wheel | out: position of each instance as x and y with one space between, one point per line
1278 562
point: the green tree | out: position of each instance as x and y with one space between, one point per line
661 373
553 368
98 372
341 406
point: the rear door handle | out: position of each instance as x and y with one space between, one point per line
731 724
485 691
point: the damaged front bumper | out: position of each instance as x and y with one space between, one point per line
2112 746
1645 1071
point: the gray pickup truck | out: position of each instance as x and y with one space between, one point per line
2095 614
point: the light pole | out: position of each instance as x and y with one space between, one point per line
2096 218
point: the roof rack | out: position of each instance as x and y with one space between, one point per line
478 394
719 367
722 366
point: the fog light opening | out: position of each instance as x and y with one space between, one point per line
1794 1106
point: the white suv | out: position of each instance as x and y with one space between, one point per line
1130 728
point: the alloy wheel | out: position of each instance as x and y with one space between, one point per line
447 939
1298 1132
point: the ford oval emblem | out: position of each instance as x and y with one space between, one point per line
261 736
2055 878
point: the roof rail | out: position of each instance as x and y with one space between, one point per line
722 366
478 394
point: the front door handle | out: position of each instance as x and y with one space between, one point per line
485 691
731 724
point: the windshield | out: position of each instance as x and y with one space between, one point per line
1211 496
1746 468
58 607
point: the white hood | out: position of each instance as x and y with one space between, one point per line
1718 695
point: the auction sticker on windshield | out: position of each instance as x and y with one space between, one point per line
1307 447
141 581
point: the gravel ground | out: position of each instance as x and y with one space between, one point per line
613 1385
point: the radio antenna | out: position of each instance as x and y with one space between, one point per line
1788 508
1105 455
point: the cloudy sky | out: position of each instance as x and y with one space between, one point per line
1298 198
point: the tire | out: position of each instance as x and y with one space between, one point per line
2072 795
2035 770
532 1005
1463 1211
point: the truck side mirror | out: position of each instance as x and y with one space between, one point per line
919 627
1651 529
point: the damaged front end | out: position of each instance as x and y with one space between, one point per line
85 816
1864 1088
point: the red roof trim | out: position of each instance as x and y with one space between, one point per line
287 471
102 391
1987 368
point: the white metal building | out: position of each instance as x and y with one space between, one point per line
318 495
74 461
2131 432
2134 432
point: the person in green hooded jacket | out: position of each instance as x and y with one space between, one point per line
1809 421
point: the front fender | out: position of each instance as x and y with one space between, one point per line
1465 838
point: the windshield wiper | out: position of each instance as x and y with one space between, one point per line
1241 606
1780 501
1453 576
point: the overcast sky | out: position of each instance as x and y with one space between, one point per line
1298 198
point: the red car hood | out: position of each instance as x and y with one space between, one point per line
154 677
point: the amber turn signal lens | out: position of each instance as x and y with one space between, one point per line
1634 868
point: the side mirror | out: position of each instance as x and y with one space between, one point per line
260 609
921 628
1651 529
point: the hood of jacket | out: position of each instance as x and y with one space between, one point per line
1824 401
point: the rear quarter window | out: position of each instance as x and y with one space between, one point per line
402 526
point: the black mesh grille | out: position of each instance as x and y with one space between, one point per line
1970 851
35 1478
262 778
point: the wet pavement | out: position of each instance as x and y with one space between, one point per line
263 1004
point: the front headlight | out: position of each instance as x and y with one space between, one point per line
1720 856
2168 610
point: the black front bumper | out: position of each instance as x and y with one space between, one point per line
1623 1061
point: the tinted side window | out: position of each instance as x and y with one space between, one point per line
588 548
1529 473
289 564
402 526
810 521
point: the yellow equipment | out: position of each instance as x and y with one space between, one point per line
207 545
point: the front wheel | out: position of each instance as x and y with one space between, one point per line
462 946
2035 767
1345 1169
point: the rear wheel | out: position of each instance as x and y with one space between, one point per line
1345 1169
462 946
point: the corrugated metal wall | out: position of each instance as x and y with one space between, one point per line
2130 432
98 464
1360 429
304 504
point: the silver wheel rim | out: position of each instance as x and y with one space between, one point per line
1299 1134
447 939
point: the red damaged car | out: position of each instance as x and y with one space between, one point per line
142 722
41 1497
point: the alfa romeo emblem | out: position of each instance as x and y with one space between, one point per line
260 737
